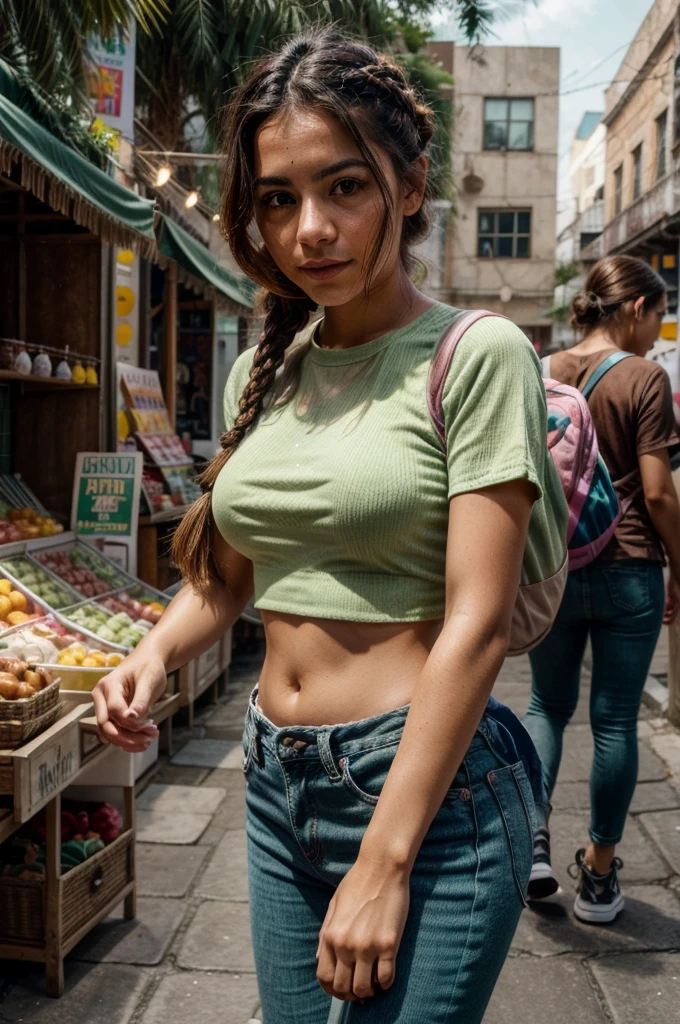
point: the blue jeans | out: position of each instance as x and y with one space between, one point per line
311 793
620 606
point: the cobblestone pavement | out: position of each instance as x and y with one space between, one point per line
188 959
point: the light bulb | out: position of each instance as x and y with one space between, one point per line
163 175
191 200
216 217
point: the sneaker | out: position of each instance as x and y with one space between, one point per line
599 899
542 882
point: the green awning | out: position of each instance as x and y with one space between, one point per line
199 262
61 177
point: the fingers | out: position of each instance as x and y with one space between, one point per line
131 742
145 692
385 971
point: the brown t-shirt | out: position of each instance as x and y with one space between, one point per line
632 409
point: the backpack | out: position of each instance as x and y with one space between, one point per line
594 509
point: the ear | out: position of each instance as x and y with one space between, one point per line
639 308
414 187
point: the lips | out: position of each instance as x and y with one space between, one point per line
323 271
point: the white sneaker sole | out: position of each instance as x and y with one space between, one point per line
598 913
542 882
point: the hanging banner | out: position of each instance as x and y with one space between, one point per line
111 80
106 490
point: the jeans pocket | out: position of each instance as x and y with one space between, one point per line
628 588
248 748
364 773
512 790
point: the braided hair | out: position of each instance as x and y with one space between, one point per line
373 101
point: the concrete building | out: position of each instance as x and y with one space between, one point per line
642 117
587 158
499 243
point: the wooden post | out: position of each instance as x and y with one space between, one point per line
54 961
21 199
170 340
130 906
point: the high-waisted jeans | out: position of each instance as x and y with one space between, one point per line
620 606
310 796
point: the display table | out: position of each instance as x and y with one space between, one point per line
42 920
208 670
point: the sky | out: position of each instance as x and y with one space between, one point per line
593 36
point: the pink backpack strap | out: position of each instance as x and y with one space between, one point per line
441 363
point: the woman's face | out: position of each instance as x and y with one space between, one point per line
648 325
318 206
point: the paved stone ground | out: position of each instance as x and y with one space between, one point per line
188 958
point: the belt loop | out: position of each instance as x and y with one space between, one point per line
323 742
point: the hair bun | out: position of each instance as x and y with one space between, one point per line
586 309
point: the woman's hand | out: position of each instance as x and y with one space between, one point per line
123 698
672 601
360 937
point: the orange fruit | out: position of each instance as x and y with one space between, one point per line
5 587
19 602
5 606
16 618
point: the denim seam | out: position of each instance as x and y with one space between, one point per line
490 777
352 786
533 824
311 864
474 901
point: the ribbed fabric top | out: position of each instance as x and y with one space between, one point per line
340 495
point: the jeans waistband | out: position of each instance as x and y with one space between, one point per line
330 742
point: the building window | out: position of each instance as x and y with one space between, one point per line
637 172
509 124
505 234
618 190
661 133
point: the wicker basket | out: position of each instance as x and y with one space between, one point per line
86 890
24 718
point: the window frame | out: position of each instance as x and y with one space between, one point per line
636 154
509 120
496 234
661 145
618 190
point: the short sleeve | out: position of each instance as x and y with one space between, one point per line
236 382
494 409
656 425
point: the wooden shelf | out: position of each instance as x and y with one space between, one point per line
166 516
45 383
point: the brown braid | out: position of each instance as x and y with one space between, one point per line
372 100
284 318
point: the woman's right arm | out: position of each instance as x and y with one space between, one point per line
190 625
663 506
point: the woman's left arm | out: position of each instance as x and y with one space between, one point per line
365 920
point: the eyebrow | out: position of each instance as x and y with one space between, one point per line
326 172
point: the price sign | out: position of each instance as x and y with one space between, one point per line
106 493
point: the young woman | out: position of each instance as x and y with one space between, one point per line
618 601
390 822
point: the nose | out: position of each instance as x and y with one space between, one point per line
315 227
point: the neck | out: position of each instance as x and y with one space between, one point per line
390 305
600 339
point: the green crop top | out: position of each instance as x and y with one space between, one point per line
340 496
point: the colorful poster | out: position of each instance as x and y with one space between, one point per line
145 408
111 78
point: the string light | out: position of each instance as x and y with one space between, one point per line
163 175
191 200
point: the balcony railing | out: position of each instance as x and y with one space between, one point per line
652 208
592 219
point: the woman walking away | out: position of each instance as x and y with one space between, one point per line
618 600
390 820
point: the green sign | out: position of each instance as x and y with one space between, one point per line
106 494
